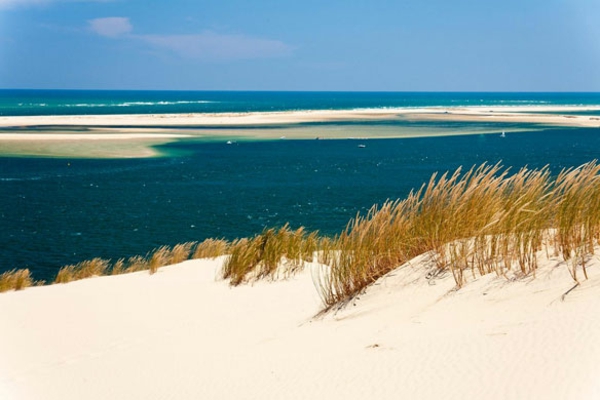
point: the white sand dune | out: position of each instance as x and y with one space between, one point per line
183 334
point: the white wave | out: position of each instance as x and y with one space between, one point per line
139 103
36 178
532 102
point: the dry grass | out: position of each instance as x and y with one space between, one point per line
477 222
118 268
15 280
159 258
243 258
181 252
152 262
577 215
211 248
136 263
18 279
82 270
485 220
274 252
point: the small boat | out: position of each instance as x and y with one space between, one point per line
503 134
362 146
229 142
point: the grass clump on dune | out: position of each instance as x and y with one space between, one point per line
166 255
156 259
478 222
484 220
181 252
15 280
82 270
210 248
577 215
272 252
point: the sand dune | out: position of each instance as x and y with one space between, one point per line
184 334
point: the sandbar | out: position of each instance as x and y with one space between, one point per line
500 114
139 135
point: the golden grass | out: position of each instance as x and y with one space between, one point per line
136 263
243 258
82 270
211 248
15 280
577 215
181 252
273 252
485 220
477 222
118 268
160 257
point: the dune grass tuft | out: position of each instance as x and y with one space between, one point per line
165 255
118 268
181 252
159 258
577 215
482 221
273 252
15 280
82 270
211 248
136 263
154 260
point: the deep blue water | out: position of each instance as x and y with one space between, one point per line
71 102
59 211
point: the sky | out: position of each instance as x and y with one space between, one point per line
313 45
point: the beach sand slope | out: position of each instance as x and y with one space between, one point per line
183 334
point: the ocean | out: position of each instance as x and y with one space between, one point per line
59 211
82 102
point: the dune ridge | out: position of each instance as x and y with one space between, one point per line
182 333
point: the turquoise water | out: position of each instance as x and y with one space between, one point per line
55 212
69 102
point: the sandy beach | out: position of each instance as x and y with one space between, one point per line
183 333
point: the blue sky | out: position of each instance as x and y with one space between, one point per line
376 45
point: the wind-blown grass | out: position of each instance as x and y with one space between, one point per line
485 220
15 280
82 270
211 248
272 252
154 260
477 222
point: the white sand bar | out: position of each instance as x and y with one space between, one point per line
495 113
118 136
181 334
